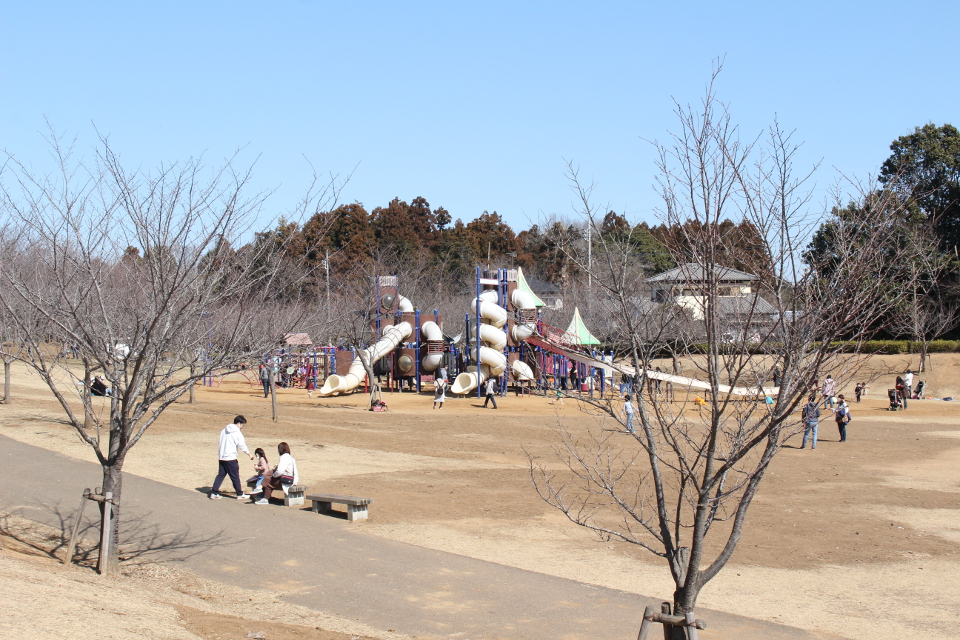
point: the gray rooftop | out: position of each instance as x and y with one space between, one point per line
693 272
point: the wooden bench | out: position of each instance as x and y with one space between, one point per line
356 507
292 497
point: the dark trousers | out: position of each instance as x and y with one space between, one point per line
228 468
270 484
491 397
842 427
266 388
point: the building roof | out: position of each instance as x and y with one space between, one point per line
694 272
297 340
542 287
744 305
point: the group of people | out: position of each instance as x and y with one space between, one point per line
280 478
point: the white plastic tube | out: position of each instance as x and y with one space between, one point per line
523 300
490 336
392 336
491 312
430 332
404 304
521 370
495 360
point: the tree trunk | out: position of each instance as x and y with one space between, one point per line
112 484
6 382
87 401
926 362
193 384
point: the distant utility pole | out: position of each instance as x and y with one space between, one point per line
326 266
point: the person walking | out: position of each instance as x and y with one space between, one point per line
811 420
439 386
628 411
231 441
829 392
842 416
491 392
858 391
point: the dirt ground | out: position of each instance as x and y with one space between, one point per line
860 539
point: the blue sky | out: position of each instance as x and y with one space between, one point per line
474 106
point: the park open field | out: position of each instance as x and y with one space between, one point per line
860 539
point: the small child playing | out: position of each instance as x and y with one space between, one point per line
260 466
858 390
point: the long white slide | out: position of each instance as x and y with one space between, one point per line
392 336
692 383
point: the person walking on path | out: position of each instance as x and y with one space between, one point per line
842 416
231 441
811 420
907 387
491 392
283 476
628 411
439 386
829 391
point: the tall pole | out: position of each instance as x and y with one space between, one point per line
589 263
326 265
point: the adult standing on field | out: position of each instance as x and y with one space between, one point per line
265 379
842 416
907 387
811 420
829 391
231 441
628 411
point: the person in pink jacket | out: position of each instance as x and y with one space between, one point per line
260 466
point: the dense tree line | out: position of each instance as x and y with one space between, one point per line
401 233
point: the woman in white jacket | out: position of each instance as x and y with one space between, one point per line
282 476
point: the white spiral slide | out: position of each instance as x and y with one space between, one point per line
392 336
431 332
492 360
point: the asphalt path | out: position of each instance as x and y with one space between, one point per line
325 563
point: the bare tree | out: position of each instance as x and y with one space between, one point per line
681 485
929 309
134 271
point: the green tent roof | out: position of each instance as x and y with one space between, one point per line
579 332
523 286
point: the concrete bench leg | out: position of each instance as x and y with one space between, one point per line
321 507
292 499
356 512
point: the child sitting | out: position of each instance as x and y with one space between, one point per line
260 466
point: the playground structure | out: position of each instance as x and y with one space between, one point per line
410 346
505 338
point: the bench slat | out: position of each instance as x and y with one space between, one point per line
329 497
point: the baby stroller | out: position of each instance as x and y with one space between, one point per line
896 402
918 392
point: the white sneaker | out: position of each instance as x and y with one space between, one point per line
242 496
215 496
262 501
257 490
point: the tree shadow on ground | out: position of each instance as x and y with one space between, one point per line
141 540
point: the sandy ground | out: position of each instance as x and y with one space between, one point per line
860 539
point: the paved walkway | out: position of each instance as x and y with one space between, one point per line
323 563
